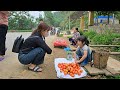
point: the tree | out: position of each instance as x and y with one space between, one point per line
65 19
48 17
38 19
117 15
58 18
21 20
74 18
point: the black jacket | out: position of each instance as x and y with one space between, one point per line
35 41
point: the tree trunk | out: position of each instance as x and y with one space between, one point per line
97 20
108 18
91 18
119 21
113 19
82 23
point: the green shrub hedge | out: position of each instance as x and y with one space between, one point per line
106 38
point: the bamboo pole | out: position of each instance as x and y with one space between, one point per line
91 18
82 23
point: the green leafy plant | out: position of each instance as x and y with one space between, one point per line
61 35
113 77
90 34
102 39
69 36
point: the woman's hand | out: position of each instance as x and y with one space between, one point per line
77 61
74 55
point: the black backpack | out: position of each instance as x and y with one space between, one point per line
17 44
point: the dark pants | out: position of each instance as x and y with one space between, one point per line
72 41
36 56
3 32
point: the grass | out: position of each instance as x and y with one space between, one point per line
20 30
69 36
113 77
61 35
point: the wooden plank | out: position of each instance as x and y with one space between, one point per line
107 73
99 46
111 53
112 71
104 45
114 53
93 70
92 48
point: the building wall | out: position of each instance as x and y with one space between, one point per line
106 20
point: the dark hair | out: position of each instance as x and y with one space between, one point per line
83 39
41 27
41 19
76 29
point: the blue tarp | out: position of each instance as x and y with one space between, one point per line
67 49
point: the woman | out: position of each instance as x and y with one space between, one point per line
82 54
34 48
3 32
76 34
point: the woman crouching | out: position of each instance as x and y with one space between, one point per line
34 48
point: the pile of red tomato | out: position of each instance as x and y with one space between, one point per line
70 69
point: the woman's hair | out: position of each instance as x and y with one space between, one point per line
41 19
76 29
83 39
41 27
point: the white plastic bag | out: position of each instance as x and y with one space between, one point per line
61 74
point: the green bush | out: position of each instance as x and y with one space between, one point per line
104 39
20 30
81 32
113 77
116 35
116 49
24 30
90 34
60 35
69 36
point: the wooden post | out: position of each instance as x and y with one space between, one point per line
91 18
82 23
113 19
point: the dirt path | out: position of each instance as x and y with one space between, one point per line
12 69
